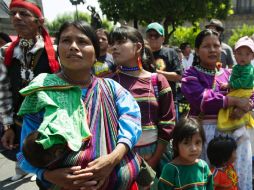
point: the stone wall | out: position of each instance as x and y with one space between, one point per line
236 21
6 26
233 22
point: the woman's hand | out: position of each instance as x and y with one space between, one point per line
155 159
8 139
245 104
237 113
102 167
64 177
224 86
153 162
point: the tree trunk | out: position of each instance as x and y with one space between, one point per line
135 23
166 23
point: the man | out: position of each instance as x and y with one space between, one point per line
104 64
227 56
166 59
187 55
31 54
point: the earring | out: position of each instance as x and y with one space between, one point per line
140 63
59 60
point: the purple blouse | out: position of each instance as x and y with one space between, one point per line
202 90
155 113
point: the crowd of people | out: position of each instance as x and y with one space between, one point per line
98 109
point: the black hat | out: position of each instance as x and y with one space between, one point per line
216 23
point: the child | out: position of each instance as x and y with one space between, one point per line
186 169
43 158
221 152
62 130
240 84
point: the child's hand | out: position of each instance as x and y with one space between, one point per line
224 86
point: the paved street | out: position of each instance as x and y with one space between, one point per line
7 171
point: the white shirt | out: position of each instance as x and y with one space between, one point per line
187 62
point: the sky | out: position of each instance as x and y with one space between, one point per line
52 8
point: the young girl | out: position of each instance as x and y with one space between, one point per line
187 170
221 152
151 91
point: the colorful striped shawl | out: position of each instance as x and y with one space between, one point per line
103 122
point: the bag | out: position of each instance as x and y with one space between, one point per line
168 154
146 175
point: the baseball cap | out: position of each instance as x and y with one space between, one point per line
157 27
245 41
216 23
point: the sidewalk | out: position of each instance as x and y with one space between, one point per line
7 171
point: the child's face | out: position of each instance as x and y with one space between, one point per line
190 149
243 55
233 157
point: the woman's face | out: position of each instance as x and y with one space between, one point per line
76 50
209 51
124 52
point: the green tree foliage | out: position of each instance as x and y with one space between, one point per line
54 26
170 12
245 30
184 34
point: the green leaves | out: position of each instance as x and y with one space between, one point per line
167 11
54 26
244 30
184 34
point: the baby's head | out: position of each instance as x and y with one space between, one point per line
221 150
244 50
37 156
188 138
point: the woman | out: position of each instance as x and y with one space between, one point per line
106 162
151 91
201 88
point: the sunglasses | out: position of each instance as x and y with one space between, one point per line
151 35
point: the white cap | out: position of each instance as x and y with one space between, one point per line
245 41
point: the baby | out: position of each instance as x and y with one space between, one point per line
240 85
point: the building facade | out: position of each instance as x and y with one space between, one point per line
243 14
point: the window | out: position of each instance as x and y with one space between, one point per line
244 6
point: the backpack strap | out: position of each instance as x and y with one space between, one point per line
154 79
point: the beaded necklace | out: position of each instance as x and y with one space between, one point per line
26 71
209 72
123 68
204 70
